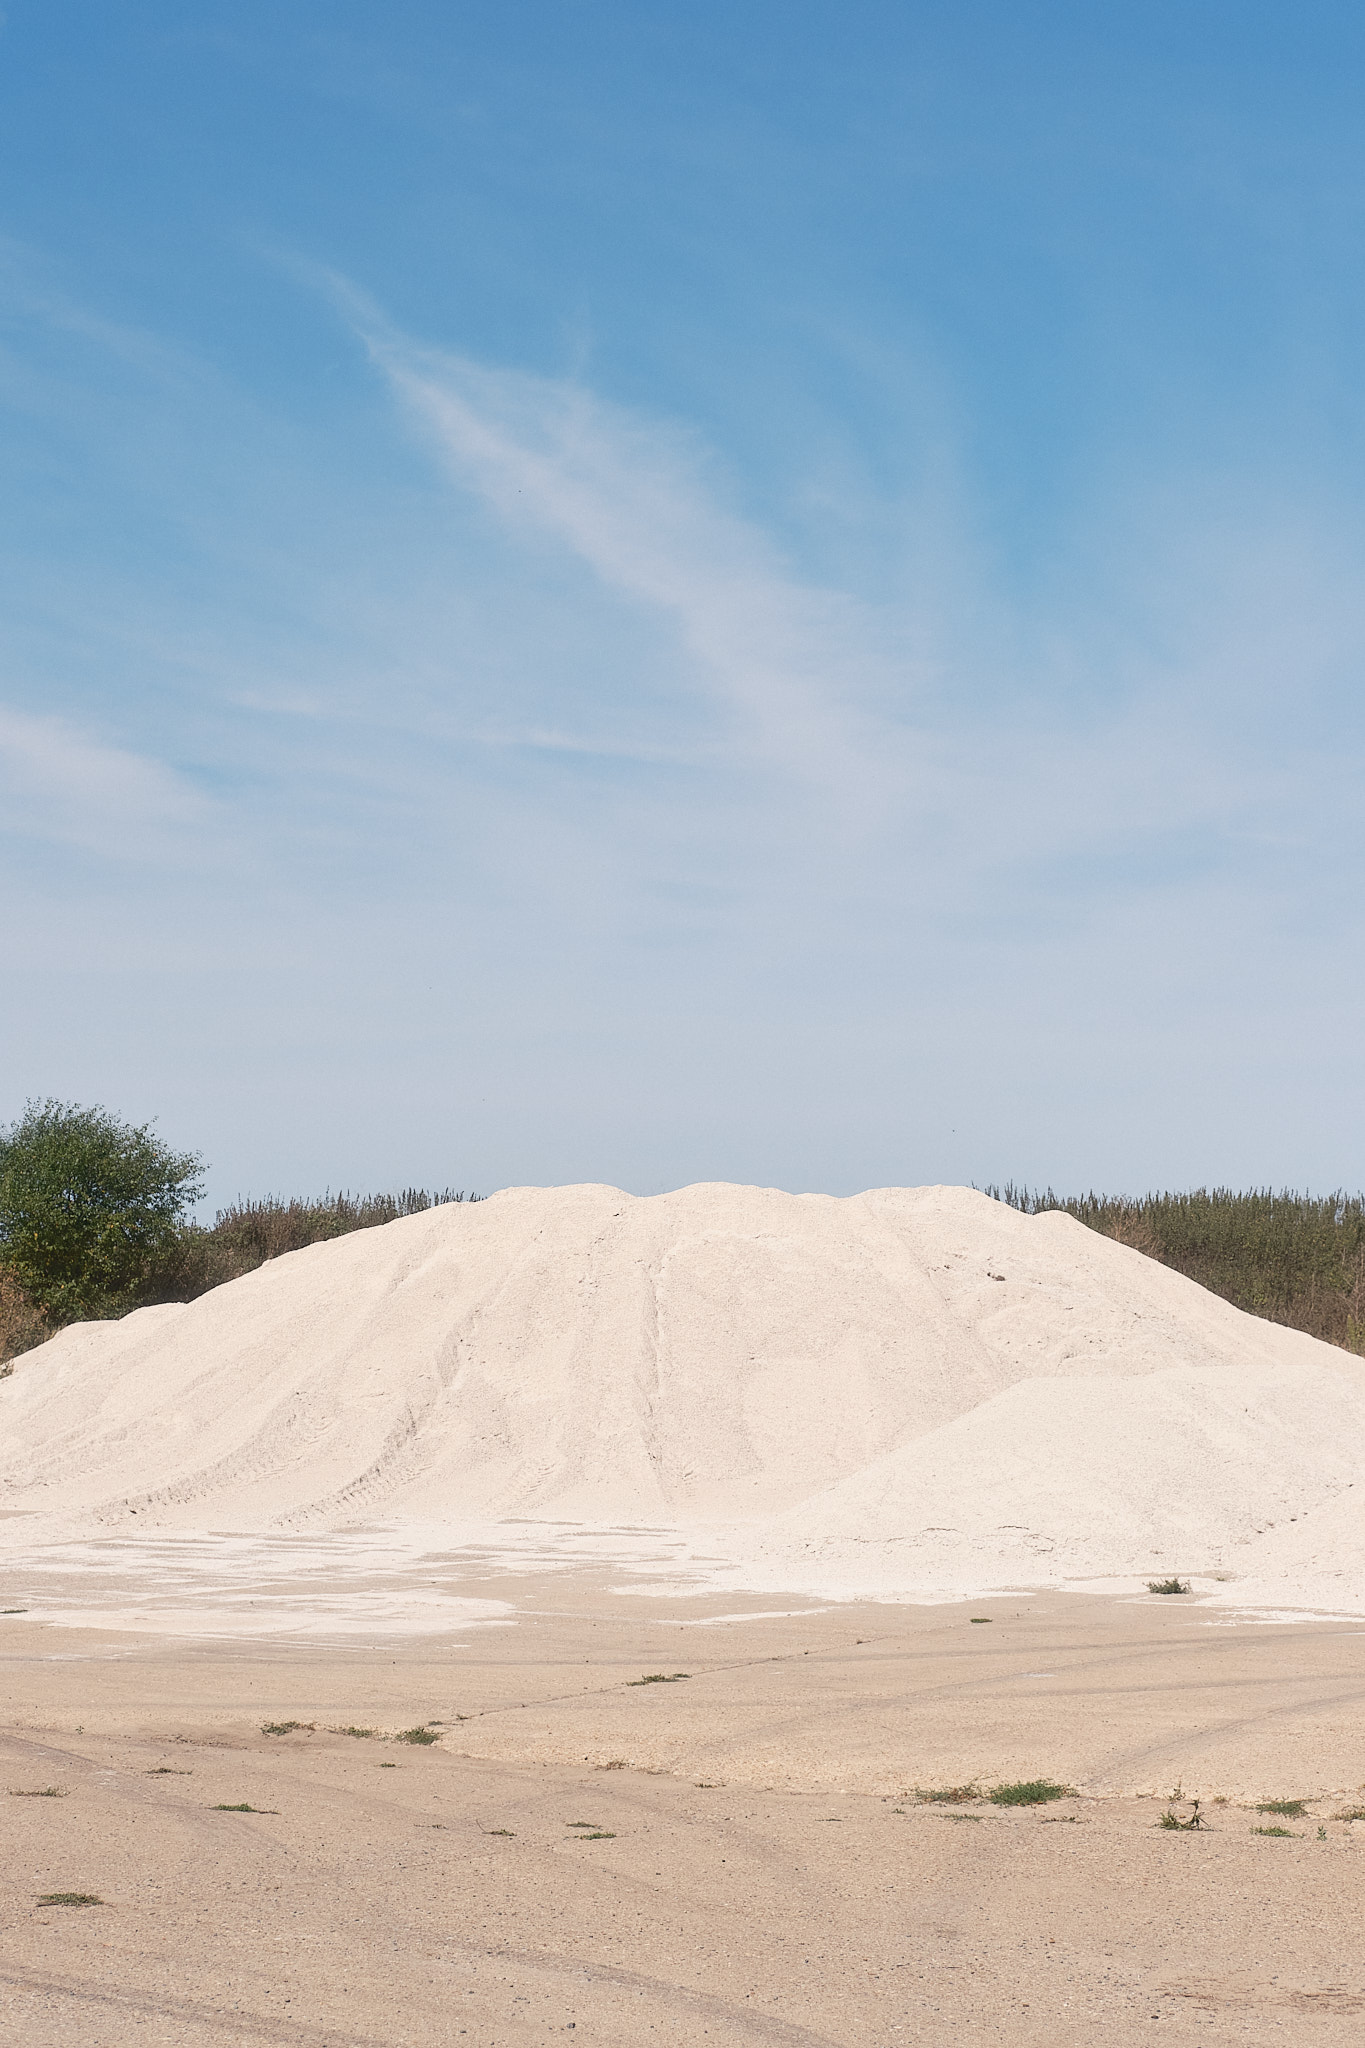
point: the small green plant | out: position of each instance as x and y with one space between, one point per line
1350 1813
388 1767
581 1823
47 1792
1290 1809
599 1835
1168 1585
285 1727
660 1678
421 1736
1287 1833
364 1733
242 1806
946 1795
1322 1834
13 1610
1171 1819
168 1771
70 1899
501 1831
1029 1792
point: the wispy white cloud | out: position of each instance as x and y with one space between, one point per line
30 292
794 669
59 783
603 747
989 744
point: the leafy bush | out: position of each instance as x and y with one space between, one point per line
21 1326
163 1256
88 1206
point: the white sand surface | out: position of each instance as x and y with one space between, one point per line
911 1392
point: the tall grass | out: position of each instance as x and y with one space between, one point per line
247 1234
1294 1259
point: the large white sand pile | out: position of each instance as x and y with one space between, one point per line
910 1390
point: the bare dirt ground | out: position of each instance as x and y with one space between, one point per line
736 1855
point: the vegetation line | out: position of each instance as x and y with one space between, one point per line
1294 1259
93 1223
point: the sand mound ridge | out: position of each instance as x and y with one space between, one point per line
906 1390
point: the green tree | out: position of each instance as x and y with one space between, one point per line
88 1206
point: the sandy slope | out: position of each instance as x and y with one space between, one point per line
408 1478
908 1390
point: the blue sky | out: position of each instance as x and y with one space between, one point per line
653 593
